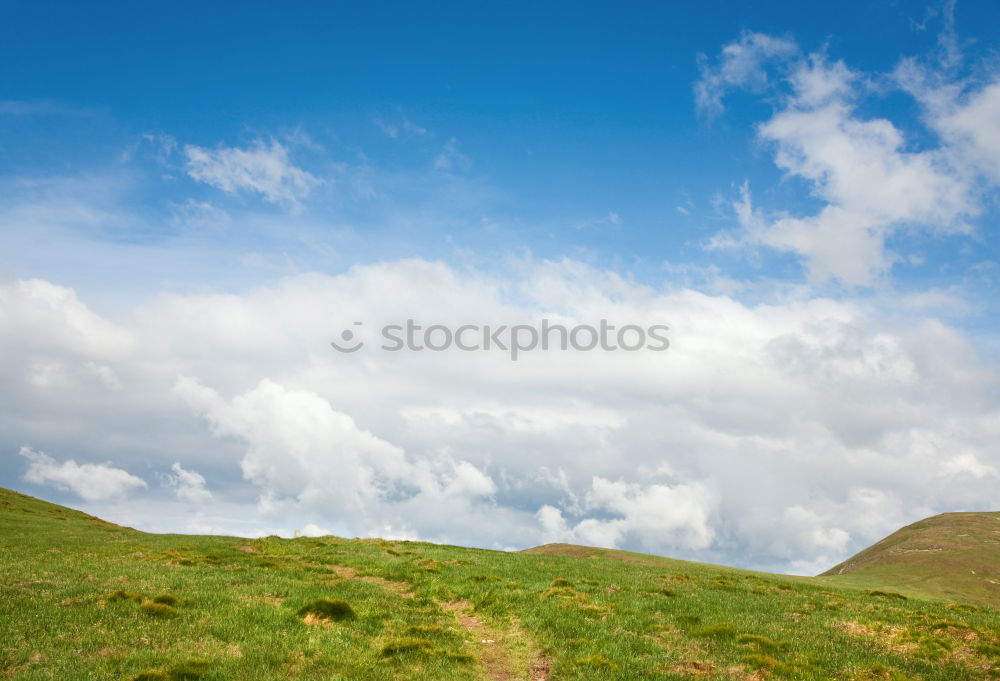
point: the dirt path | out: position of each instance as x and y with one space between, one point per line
495 648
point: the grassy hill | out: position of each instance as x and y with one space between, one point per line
84 599
953 555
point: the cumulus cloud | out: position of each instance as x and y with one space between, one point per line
780 434
302 448
265 169
92 482
656 517
303 454
189 485
52 317
964 112
313 530
871 180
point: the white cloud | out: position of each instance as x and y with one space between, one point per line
974 129
313 530
92 482
870 179
963 113
265 169
741 64
871 185
189 485
795 402
303 454
301 448
49 316
656 517
967 464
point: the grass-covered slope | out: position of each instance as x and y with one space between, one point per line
84 599
953 555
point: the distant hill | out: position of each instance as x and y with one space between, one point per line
81 598
953 555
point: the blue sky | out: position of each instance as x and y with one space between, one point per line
194 200
562 116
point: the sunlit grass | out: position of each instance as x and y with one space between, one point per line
80 598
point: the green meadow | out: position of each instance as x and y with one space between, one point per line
81 598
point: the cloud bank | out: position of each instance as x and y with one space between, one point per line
779 434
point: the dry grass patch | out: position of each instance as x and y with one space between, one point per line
692 668
399 588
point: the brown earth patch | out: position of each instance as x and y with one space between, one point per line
692 668
885 635
398 588
315 620
541 669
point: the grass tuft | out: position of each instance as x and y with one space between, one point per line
157 610
948 624
928 646
561 592
720 630
425 630
406 646
768 663
121 595
325 608
669 593
762 642
890 595
166 599
596 661
191 670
